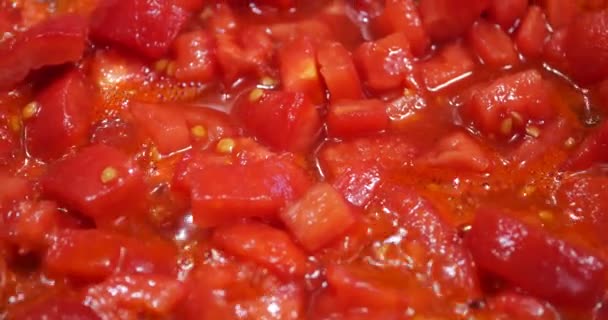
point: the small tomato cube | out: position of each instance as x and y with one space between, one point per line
458 151
348 118
588 33
402 16
532 33
492 44
165 124
339 72
299 71
448 19
195 56
451 63
506 12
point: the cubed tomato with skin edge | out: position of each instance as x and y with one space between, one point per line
452 62
147 26
195 56
61 117
349 118
55 41
318 217
298 67
545 266
532 33
385 63
30 225
99 182
337 67
492 44
506 12
588 33
402 16
447 19
57 308
297 123
165 124
458 151
560 13
591 151
270 247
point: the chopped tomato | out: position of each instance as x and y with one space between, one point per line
8 143
30 225
243 53
555 51
451 63
339 73
458 151
357 184
560 12
12 189
319 217
402 16
446 19
506 12
165 124
541 264
588 33
591 151
298 60
195 56
519 306
57 308
349 118
492 44
532 33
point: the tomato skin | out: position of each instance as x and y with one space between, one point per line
402 16
57 309
318 217
339 73
270 247
165 124
539 263
506 12
532 33
351 118
297 122
458 151
298 67
446 19
451 62
492 44
588 33
63 117
54 41
591 151
195 56
76 181
147 26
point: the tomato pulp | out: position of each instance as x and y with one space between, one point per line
293 160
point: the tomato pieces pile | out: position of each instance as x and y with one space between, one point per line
294 160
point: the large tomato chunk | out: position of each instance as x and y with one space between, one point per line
296 122
449 64
55 41
588 33
60 118
99 181
298 59
539 263
165 124
403 16
195 56
447 19
147 26
349 118
492 44
508 103
318 217
339 72
506 12
532 33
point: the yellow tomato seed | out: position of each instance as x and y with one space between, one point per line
15 123
171 68
161 65
225 145
268 82
256 94
30 110
309 71
155 154
570 142
533 131
108 174
198 131
506 126
546 215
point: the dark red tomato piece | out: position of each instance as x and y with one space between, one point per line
545 266
458 151
98 181
509 102
147 26
130 296
561 12
298 60
437 251
358 183
255 189
402 16
385 63
593 150
351 118
554 51
532 33
339 73
267 246
244 52
518 306
297 123
56 309
195 56
165 124
60 117
492 44
446 19
588 33
30 225
319 217
55 41
190 5
451 63
506 12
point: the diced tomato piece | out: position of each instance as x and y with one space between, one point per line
153 256
403 16
433 244
349 118
516 98
588 33
298 60
164 123
561 12
12 189
244 52
281 4
318 217
506 12
532 33
217 124
255 189
56 308
55 41
30 224
313 29
270 247
550 137
539 263
517 306
492 44
195 56
296 121
339 72
121 295
60 117
458 151
554 52
385 63
357 184
147 26
99 181
191 5
9 143
447 19
451 63
593 150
